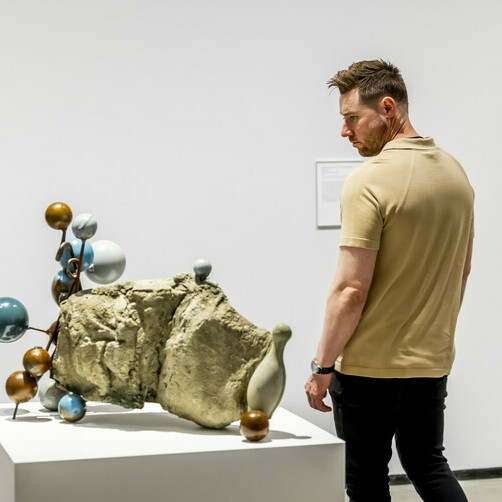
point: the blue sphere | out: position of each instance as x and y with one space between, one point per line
71 407
13 319
76 244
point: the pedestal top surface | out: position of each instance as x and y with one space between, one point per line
108 431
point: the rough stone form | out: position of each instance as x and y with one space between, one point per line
170 341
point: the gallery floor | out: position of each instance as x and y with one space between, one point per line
483 490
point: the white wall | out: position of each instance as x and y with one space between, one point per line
191 128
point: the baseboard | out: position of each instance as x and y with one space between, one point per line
463 475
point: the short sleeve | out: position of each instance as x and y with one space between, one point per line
361 217
471 236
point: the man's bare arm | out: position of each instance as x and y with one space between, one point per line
345 304
345 301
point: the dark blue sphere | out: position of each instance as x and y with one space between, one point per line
13 319
72 407
61 285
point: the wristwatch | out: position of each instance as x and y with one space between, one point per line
317 369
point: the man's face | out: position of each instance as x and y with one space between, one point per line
365 127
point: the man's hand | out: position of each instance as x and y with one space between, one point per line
316 389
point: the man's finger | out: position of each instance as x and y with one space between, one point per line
323 407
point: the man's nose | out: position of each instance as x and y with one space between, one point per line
346 131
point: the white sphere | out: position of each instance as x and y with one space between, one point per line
202 269
109 262
49 394
84 226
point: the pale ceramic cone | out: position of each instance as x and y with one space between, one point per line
267 384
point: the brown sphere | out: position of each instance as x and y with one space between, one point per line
254 425
37 361
58 215
21 387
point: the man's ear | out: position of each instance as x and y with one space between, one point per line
388 106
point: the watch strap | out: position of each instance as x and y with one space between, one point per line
326 371
317 369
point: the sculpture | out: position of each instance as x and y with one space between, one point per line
187 311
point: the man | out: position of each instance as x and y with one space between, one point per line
405 254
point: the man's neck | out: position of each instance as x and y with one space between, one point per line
402 130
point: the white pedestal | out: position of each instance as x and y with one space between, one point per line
149 455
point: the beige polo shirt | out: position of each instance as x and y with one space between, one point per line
414 204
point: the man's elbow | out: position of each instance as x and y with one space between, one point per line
352 297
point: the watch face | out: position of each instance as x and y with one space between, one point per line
314 367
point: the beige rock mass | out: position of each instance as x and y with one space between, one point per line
170 341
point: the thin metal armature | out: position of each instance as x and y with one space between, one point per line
53 330
15 411
74 274
61 250
46 331
80 262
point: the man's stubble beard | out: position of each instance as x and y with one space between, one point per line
373 145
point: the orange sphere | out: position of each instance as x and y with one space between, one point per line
254 425
58 215
37 361
21 387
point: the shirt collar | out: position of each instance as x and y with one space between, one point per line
410 144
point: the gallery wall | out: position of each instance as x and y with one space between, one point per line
190 129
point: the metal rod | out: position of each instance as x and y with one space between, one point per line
69 271
52 333
76 286
46 331
74 275
61 249
15 411
80 262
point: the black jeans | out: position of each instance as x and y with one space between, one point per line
369 412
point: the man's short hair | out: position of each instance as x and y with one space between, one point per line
374 79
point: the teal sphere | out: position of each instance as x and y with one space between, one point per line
72 407
13 319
